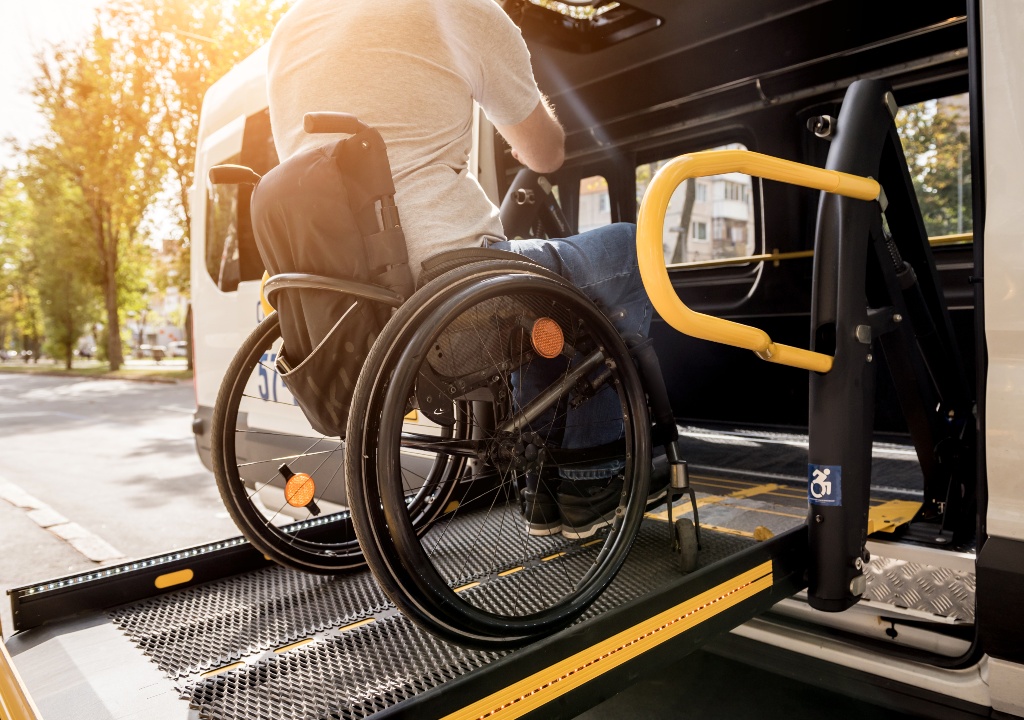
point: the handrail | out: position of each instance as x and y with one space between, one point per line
651 256
776 257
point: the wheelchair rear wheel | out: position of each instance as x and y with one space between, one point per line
524 359
281 481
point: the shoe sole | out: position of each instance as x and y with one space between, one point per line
543 530
582 533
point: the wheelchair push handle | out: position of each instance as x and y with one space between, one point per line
332 122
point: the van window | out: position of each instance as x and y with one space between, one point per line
231 253
708 218
936 137
595 204
222 233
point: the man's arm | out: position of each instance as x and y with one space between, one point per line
538 141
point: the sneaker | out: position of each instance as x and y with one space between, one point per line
589 509
586 511
540 511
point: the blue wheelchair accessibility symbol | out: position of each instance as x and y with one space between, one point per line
825 485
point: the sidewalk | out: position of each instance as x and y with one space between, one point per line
169 370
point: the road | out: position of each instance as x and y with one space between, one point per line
96 471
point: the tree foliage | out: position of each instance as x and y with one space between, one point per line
21 323
65 265
122 116
937 146
187 46
98 103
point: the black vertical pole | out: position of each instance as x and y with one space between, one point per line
842 401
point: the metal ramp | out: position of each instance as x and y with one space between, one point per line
237 637
274 643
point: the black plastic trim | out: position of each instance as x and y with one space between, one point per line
1000 593
877 689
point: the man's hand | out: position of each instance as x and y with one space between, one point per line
538 141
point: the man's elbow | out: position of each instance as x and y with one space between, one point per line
551 154
550 161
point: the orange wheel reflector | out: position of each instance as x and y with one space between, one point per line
547 337
299 490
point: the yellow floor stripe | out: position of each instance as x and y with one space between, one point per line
542 687
727 531
715 499
218 671
353 626
740 483
890 515
767 512
294 645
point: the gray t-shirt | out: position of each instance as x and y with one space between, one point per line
411 69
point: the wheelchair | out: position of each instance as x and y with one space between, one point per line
435 506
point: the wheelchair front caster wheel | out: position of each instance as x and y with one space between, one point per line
686 544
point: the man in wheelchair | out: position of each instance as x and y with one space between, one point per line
413 69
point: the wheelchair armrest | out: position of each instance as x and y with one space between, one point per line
233 175
295 281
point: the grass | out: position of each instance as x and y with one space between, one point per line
148 373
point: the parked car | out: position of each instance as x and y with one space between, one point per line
177 348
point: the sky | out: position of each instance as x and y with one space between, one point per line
25 27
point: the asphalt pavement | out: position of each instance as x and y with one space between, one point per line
97 471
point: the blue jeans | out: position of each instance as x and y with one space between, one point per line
602 263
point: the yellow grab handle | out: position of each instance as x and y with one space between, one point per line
651 256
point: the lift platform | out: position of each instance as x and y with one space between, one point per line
217 632
273 643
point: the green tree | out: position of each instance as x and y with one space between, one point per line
937 146
186 47
21 322
98 104
59 234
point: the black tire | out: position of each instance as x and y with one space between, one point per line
249 444
686 539
512 587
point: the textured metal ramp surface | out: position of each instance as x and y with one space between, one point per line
315 647
926 588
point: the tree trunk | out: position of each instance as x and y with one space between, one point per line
115 355
106 241
679 254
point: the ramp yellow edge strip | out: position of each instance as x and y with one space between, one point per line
15 702
544 686
651 254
